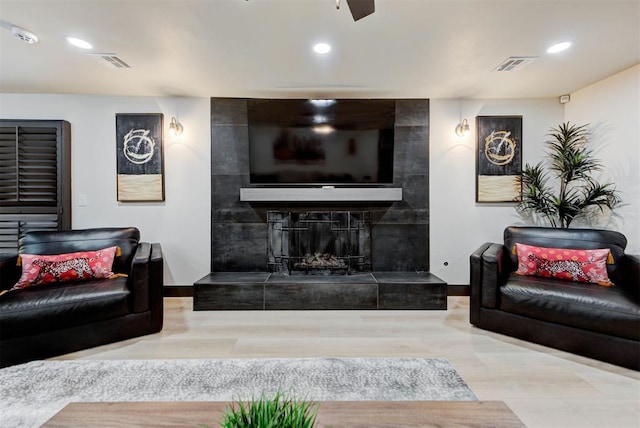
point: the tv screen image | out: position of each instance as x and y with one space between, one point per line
321 141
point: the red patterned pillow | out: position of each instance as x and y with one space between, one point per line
574 265
43 269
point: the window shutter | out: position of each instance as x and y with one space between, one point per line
35 179
8 165
12 227
37 167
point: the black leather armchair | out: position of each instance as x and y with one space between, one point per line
41 322
586 319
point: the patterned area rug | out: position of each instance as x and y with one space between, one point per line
33 392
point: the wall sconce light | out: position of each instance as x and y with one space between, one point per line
462 128
175 128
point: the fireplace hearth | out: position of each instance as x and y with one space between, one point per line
362 291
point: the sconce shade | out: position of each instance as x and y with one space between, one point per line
462 128
175 128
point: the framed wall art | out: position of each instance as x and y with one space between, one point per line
140 157
499 159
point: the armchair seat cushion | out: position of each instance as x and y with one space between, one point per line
41 309
586 306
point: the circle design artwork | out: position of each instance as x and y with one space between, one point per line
499 148
138 147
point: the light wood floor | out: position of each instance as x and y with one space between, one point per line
543 386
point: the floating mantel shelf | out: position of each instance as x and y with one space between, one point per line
321 194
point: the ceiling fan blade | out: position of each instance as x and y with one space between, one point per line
361 8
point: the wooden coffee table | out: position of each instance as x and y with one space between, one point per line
331 413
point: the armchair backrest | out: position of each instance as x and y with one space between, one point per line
71 241
578 239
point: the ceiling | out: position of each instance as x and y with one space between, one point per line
262 48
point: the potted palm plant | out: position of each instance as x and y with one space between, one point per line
573 192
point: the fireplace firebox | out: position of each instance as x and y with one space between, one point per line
319 242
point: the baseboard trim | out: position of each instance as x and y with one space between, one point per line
458 290
187 290
178 291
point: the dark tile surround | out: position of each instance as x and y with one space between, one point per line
400 230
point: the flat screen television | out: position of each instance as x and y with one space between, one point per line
321 142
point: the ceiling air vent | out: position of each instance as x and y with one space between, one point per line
24 35
514 63
110 60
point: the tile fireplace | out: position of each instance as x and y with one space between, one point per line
399 228
306 247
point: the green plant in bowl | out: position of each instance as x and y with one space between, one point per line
280 411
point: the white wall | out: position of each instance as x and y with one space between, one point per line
182 224
612 107
458 225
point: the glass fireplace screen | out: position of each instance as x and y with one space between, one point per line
319 242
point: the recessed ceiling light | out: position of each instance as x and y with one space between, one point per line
322 48
79 43
559 47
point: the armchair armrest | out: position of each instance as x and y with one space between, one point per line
9 271
492 273
156 286
139 278
475 280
